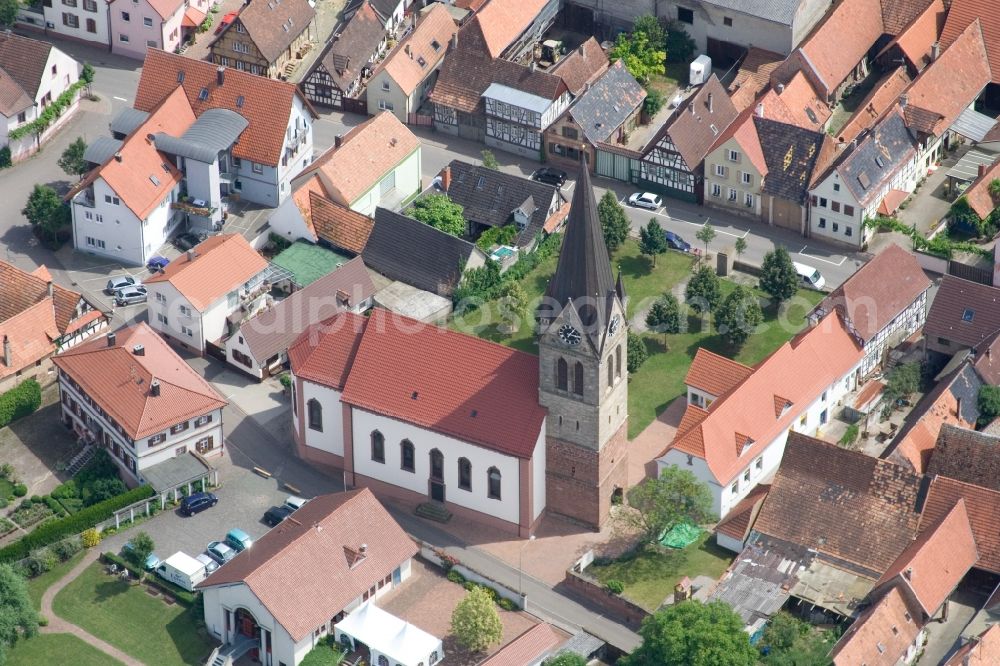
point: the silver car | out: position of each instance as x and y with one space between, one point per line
210 564
645 200
220 551
119 283
130 296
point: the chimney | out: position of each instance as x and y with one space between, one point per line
191 254
154 388
220 75
781 88
446 178
409 51
338 141
982 169
958 407
935 51
709 102
760 110
363 550
908 573
111 339
118 157
582 50
534 65
138 350
903 100
49 288
454 40
8 360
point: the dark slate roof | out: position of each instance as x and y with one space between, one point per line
947 317
383 8
878 156
490 197
967 455
790 153
410 251
608 103
351 48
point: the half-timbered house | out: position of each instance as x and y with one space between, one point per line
266 37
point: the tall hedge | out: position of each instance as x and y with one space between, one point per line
55 530
20 401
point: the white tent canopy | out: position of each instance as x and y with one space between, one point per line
391 640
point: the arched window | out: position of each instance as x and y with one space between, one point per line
578 378
437 465
493 482
618 361
378 446
315 414
611 371
464 474
562 375
406 455
383 660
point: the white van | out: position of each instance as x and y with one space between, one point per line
183 570
810 276
294 503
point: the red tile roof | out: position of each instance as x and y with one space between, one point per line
301 570
266 103
915 444
220 265
838 44
339 225
583 65
534 644
947 315
404 66
715 374
878 292
978 194
118 380
740 519
937 560
799 370
983 650
961 14
884 95
193 17
325 352
796 104
503 21
868 393
696 125
753 76
897 14
881 636
917 39
165 8
983 508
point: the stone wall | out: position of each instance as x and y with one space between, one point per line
592 593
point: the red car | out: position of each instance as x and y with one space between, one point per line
226 20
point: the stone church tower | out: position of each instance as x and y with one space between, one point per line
582 361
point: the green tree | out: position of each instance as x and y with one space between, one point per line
680 47
513 304
994 188
778 276
703 291
654 102
440 212
706 234
738 315
46 211
475 622
139 548
988 403
664 316
652 240
72 161
740 246
490 160
566 659
901 381
8 12
87 76
636 351
674 498
794 642
651 27
693 634
613 221
642 50
18 617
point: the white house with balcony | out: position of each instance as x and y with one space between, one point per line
739 441
476 451
130 393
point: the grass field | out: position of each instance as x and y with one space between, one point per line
38 584
129 618
57 649
650 574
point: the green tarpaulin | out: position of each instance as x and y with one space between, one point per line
680 536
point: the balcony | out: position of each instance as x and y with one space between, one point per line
195 207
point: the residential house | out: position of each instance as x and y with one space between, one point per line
581 66
339 76
885 303
33 74
878 166
733 432
202 296
673 162
793 156
85 21
983 506
478 449
409 251
310 215
491 198
282 597
980 650
39 318
147 24
265 38
277 142
736 169
978 195
402 82
259 346
511 28
389 12
505 104
962 13
966 455
131 394
963 316
604 113
377 163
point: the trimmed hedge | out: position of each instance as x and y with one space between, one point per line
183 596
74 524
20 401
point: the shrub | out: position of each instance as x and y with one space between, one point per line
66 548
469 586
38 562
508 605
54 504
6 471
20 401
850 435
5 158
615 586
285 379
456 577
20 490
90 538
3 502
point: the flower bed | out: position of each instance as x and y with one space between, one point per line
31 512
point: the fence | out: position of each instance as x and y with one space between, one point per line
419 120
970 273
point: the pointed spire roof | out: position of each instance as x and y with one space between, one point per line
584 270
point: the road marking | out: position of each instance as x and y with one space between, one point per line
826 261
120 99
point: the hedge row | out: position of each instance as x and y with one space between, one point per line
179 593
55 530
20 401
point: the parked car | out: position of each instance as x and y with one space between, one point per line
187 240
152 561
220 551
645 200
276 514
550 176
197 502
130 296
809 276
157 263
210 564
226 20
183 570
675 242
120 282
294 503
238 539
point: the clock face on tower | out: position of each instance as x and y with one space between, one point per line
569 335
613 327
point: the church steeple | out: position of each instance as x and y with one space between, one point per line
583 275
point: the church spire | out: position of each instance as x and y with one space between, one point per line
584 271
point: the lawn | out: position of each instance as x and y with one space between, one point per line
650 574
38 584
56 649
6 488
129 618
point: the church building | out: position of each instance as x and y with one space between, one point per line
466 426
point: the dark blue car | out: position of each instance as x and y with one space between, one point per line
157 263
675 242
